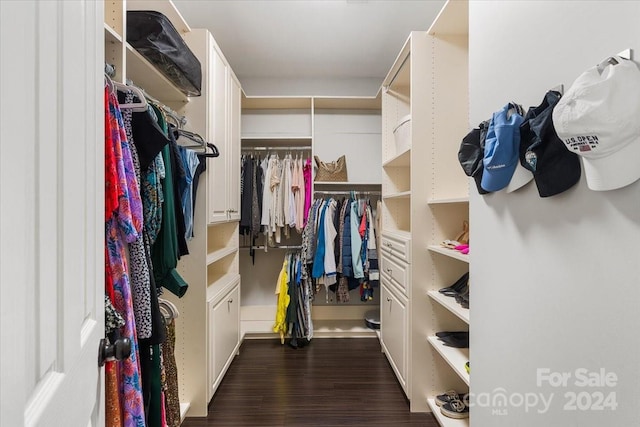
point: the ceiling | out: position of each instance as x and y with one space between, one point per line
310 39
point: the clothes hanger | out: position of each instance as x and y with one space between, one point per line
200 142
109 83
169 308
140 106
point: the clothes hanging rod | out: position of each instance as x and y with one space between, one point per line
366 193
276 148
272 247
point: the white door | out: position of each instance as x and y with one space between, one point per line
235 98
52 214
218 169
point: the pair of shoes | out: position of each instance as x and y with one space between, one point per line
454 339
457 288
455 408
448 396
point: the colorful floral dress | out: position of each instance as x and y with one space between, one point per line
123 225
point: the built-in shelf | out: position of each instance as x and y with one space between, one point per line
276 102
445 421
110 35
219 284
184 408
401 195
219 254
401 160
455 357
143 74
166 7
341 329
450 201
452 253
450 304
348 103
337 184
276 137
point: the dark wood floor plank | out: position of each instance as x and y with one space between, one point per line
330 382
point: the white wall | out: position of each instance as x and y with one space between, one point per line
556 282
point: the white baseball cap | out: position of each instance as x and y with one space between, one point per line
598 118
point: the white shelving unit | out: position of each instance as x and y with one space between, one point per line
425 198
455 357
445 421
450 304
451 253
328 127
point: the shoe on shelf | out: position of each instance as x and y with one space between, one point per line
457 287
448 396
455 409
454 339
463 237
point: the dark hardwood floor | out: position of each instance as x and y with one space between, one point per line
330 382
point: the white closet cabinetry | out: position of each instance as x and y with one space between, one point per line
224 179
425 196
224 332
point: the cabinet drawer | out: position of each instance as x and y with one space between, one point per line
397 271
396 246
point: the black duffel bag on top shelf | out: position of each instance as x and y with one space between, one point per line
154 37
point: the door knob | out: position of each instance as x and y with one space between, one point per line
119 350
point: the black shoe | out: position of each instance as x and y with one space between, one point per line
454 339
446 397
457 287
455 409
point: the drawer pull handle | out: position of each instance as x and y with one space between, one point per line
389 270
230 301
388 299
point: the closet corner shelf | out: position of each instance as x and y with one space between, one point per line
219 254
452 253
219 285
450 304
455 357
449 201
269 137
184 408
110 35
339 184
166 7
445 421
146 76
401 160
401 195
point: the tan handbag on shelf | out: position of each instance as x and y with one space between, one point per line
332 171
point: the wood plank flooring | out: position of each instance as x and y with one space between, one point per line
330 382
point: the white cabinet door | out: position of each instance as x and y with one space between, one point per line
224 333
393 331
234 146
52 221
217 169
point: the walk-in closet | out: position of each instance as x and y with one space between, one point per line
274 213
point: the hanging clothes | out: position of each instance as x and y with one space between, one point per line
123 225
